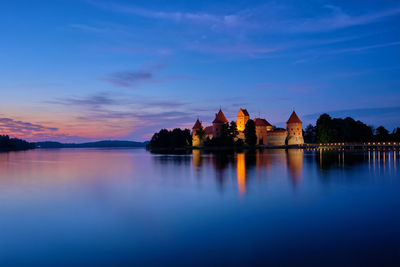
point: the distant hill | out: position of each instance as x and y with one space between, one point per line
99 144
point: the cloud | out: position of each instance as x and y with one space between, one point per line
96 100
88 28
349 74
183 78
270 17
130 79
101 101
300 61
237 49
32 131
164 51
35 132
178 16
363 48
137 124
338 19
127 79
11 125
238 32
106 115
290 87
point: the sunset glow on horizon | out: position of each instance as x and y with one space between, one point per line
86 70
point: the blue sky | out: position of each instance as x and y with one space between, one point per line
81 70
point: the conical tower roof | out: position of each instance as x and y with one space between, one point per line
197 125
294 118
220 117
244 112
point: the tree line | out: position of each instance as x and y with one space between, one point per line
14 144
330 130
178 138
326 130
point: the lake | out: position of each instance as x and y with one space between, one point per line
130 207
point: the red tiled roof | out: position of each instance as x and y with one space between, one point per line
209 130
220 117
261 122
197 125
244 112
293 118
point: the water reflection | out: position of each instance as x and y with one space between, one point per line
241 172
294 159
219 207
265 164
383 161
196 158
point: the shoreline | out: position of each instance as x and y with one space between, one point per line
329 146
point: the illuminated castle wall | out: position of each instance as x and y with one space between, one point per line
242 118
295 130
266 133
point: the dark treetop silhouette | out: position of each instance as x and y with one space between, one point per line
329 130
14 144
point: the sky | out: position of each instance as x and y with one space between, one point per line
85 70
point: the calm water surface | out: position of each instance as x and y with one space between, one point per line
295 207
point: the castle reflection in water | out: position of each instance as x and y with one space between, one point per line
259 165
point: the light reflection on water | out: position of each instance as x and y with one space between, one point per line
286 207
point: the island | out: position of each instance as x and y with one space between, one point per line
259 133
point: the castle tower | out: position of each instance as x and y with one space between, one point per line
261 130
196 141
218 123
242 118
294 128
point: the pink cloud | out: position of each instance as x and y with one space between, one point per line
33 131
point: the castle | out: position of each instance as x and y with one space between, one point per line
266 133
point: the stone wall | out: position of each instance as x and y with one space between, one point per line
276 138
261 133
295 134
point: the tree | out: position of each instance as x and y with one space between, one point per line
250 133
224 131
310 134
14 144
342 130
161 139
323 129
201 134
188 137
381 134
396 135
224 139
176 138
232 130
179 138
